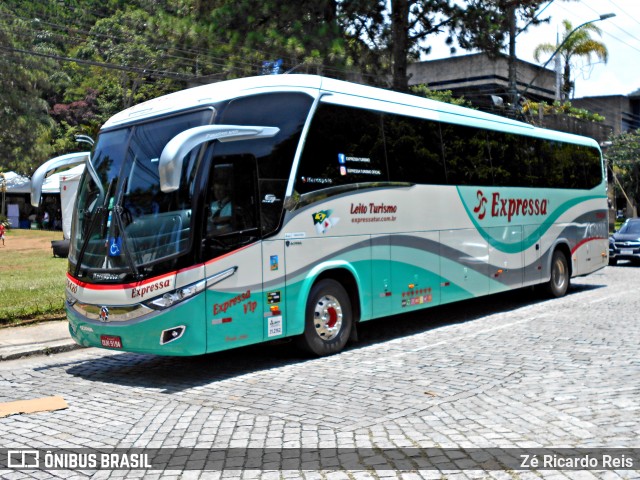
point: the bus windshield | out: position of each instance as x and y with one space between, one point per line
126 222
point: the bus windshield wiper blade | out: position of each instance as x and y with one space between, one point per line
98 213
100 210
117 213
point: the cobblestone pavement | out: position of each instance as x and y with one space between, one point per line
508 371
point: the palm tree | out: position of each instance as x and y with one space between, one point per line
575 44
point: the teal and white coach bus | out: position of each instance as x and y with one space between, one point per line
298 206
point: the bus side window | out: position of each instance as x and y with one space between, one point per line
221 205
231 212
413 150
466 159
344 146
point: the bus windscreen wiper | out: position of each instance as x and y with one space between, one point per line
85 243
99 213
117 214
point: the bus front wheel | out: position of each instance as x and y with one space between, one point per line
328 318
559 282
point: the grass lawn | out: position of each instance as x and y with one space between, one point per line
32 281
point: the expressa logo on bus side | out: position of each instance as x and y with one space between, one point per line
509 207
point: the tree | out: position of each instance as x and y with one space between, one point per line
361 23
398 31
623 157
411 23
574 44
123 40
402 32
66 70
23 112
488 24
445 96
305 35
491 25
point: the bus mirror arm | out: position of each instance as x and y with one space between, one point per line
172 156
39 176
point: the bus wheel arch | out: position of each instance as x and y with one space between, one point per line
332 309
349 282
560 271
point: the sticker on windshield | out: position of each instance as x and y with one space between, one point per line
346 164
115 246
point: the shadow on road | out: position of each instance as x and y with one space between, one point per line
175 374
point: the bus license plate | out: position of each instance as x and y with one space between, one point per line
110 341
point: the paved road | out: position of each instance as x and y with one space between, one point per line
508 371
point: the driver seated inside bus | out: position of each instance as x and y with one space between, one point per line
220 210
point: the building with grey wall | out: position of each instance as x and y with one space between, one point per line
482 80
621 112
478 77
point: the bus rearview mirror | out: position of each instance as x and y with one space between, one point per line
39 176
172 156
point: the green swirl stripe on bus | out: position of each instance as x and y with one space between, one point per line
533 237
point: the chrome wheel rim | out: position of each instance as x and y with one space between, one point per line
559 274
327 317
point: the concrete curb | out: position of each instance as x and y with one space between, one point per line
39 350
44 338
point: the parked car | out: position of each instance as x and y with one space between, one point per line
625 243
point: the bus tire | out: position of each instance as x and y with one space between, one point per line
328 318
560 277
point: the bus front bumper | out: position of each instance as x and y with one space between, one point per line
178 331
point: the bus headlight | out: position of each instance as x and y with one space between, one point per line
178 295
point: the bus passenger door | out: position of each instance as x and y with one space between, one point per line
232 252
382 294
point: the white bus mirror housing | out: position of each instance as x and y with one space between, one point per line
56 163
170 166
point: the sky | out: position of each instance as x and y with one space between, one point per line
621 35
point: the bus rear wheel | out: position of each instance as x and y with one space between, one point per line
328 318
559 282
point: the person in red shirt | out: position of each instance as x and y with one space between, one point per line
2 232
